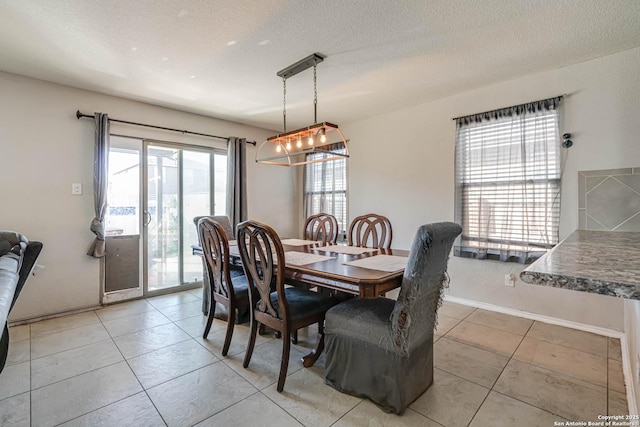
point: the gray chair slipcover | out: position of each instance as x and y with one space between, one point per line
383 349
223 220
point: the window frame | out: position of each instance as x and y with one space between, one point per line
342 193
537 181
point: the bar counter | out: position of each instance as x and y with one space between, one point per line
601 262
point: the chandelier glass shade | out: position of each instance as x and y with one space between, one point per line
319 142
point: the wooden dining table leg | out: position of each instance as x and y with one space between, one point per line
310 359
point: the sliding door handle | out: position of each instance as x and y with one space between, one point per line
147 218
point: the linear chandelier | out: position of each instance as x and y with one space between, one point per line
319 142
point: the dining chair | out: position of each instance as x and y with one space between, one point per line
321 227
382 349
232 293
234 269
279 307
370 230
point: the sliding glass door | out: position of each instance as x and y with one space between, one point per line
123 221
181 185
155 192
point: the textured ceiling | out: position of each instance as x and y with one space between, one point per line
220 58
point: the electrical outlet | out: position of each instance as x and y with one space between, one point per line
76 188
509 280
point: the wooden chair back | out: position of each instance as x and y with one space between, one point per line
215 250
370 230
321 227
215 253
263 260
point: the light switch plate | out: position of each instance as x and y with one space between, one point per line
509 280
76 188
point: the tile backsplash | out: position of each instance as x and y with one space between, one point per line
609 199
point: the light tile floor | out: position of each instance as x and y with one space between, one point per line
144 363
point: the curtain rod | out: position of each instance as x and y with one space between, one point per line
80 115
504 108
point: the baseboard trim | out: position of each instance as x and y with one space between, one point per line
534 316
626 363
629 383
52 316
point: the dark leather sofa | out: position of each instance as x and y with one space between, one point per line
18 256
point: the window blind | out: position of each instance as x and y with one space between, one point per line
325 189
508 182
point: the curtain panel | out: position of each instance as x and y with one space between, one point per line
508 173
100 183
237 209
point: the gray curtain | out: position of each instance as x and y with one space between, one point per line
237 181
100 181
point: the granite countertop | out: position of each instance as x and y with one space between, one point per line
601 262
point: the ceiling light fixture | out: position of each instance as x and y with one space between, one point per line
279 150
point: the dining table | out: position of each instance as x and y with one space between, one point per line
360 271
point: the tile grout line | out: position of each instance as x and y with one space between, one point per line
501 372
276 403
625 185
625 221
599 223
112 364
491 389
593 188
124 359
573 349
505 366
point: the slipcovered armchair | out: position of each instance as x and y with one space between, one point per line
383 349
18 256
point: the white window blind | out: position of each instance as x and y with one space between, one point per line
508 182
325 189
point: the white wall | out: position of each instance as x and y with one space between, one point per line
402 166
44 148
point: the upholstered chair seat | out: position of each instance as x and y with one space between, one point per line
303 303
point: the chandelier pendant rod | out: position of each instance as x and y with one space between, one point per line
284 103
310 61
315 96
